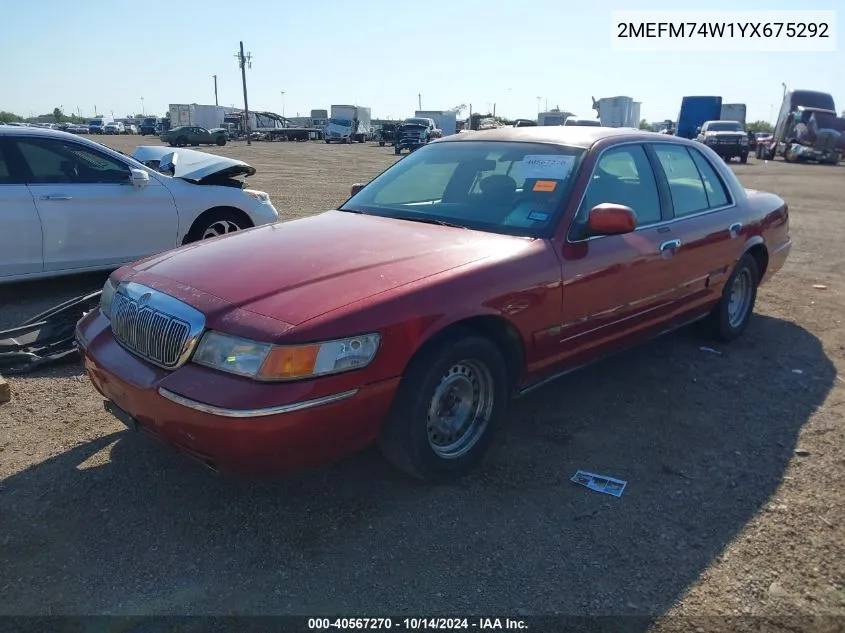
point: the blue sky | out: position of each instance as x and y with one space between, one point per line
379 54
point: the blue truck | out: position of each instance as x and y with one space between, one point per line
694 112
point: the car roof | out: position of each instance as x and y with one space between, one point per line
571 136
42 132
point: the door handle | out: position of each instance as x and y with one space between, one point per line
735 228
55 197
671 244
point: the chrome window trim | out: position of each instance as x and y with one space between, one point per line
254 413
653 225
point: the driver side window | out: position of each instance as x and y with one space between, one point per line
59 162
623 175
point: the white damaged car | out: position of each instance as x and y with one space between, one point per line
71 205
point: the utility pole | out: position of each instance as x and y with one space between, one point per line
538 105
215 90
419 101
283 104
784 90
244 61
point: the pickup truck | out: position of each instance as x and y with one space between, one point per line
413 133
726 138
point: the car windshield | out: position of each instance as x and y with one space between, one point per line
505 187
724 126
341 122
417 122
96 122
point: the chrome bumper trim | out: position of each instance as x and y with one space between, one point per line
254 413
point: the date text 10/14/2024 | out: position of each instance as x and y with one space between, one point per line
415 624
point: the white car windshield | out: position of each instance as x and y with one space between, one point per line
513 188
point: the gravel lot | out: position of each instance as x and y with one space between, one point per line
734 460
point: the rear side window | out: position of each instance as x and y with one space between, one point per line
5 168
685 183
717 194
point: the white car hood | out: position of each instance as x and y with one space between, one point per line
190 164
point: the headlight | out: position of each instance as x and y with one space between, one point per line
264 361
258 195
106 298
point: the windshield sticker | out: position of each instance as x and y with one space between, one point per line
546 166
545 185
538 216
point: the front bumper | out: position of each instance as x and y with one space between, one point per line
728 150
290 427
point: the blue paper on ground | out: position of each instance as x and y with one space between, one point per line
600 483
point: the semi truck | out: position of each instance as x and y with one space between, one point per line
319 119
734 112
553 117
807 129
207 116
695 111
348 124
445 120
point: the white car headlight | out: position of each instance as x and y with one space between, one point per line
258 195
106 298
264 361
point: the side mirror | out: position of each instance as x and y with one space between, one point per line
139 177
357 187
611 219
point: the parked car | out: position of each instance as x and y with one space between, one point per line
763 144
77 206
129 128
97 125
726 138
410 314
149 125
114 127
193 135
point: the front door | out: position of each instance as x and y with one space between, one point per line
91 214
20 235
615 286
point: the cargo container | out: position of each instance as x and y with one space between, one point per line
733 112
207 116
617 111
445 120
694 112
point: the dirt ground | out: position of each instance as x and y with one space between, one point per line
735 503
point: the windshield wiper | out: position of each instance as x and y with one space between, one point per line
434 221
358 211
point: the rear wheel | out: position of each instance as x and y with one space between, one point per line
181 141
452 399
743 158
731 315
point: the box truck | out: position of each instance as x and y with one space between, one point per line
733 112
348 124
207 116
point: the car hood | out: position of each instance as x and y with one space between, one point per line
190 164
296 271
724 133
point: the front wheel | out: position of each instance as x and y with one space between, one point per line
730 317
221 141
451 400
216 224
181 141
743 158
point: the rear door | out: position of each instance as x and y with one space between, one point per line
705 221
20 232
91 214
616 286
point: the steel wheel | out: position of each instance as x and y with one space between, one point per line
460 409
218 228
740 298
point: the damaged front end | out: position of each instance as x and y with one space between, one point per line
46 338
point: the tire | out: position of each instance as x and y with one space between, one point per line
328 141
215 224
758 153
728 321
462 366
221 141
381 143
181 141
743 159
397 151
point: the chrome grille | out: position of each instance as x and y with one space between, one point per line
150 324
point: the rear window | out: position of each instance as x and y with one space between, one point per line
512 188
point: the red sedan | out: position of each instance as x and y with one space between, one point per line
476 268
